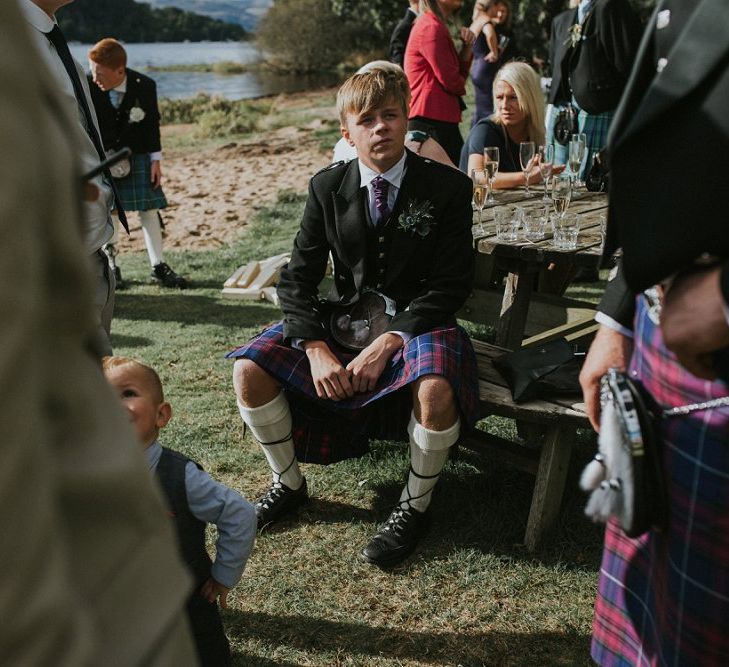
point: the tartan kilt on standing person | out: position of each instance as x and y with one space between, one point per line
135 190
663 598
594 126
326 431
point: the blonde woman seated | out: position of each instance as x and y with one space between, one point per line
518 116
415 140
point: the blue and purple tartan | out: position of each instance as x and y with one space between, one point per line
135 190
326 431
663 598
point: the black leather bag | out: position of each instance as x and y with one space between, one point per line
626 478
355 327
598 176
565 125
546 371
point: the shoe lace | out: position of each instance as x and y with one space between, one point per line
275 491
397 521
163 270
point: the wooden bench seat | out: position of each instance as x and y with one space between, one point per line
555 420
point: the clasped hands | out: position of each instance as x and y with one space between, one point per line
337 382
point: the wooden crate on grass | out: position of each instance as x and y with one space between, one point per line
255 281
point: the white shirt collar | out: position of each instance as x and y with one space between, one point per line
393 175
36 16
122 87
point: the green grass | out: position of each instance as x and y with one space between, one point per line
471 595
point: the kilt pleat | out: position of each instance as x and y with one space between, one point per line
663 598
135 190
327 431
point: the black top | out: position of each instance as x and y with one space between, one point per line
400 36
488 133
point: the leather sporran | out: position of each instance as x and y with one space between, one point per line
565 125
626 477
355 327
121 169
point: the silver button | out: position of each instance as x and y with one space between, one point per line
381 239
379 285
661 64
381 255
381 271
663 19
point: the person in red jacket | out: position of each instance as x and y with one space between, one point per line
437 74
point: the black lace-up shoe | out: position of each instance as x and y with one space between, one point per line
166 277
397 537
279 500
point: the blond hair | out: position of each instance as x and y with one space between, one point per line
372 86
525 82
150 375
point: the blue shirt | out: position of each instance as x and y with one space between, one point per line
234 517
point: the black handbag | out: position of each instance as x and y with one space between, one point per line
355 327
546 371
626 478
597 179
565 125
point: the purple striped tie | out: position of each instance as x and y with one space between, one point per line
381 187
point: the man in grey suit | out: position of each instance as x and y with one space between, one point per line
96 219
90 572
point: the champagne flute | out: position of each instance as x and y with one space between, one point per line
574 158
526 154
480 191
546 162
491 164
561 194
580 152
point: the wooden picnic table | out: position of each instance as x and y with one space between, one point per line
523 259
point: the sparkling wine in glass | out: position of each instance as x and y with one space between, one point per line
526 154
491 164
546 162
561 194
480 193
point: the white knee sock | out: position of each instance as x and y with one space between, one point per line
152 235
428 454
271 426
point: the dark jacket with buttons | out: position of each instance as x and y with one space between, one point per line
429 277
117 129
597 68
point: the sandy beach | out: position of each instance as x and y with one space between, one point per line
213 192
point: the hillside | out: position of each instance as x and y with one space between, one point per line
129 21
246 13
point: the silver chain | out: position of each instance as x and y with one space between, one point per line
694 407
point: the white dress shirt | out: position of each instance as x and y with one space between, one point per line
97 227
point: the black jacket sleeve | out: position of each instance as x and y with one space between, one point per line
618 302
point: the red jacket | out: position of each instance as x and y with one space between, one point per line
436 75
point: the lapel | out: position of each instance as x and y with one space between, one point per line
700 47
403 245
351 222
130 97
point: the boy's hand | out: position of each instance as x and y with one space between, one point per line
212 590
331 379
368 365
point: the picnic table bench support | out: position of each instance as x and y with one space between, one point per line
550 482
515 307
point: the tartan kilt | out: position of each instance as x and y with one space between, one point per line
135 190
663 598
595 126
326 431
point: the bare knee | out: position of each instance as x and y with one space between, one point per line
434 402
253 386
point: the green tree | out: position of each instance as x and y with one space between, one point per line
305 35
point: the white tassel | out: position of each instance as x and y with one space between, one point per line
593 473
611 435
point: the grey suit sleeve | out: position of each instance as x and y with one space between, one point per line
233 516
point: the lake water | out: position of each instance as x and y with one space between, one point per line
176 85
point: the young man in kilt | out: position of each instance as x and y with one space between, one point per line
126 105
398 225
663 598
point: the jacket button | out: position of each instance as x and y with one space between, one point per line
381 239
382 255
379 285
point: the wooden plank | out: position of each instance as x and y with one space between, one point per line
248 275
504 451
231 282
571 330
549 485
514 308
248 293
